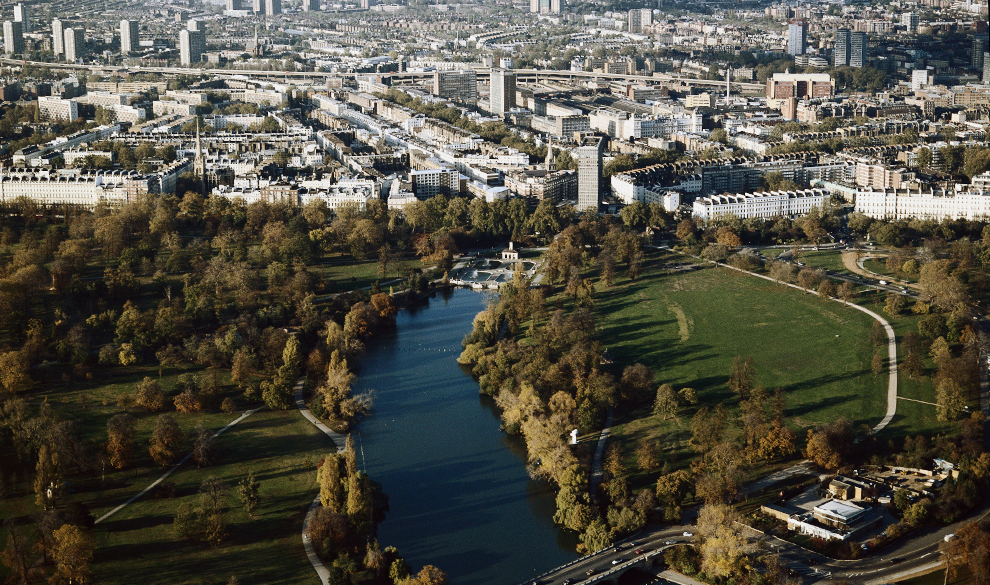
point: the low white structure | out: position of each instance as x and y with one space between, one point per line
972 204
764 205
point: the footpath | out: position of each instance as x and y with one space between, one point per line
339 441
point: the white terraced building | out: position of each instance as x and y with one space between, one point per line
972 204
764 205
85 189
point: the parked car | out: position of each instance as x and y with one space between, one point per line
689 534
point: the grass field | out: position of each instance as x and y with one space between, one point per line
138 543
879 266
345 273
827 259
689 326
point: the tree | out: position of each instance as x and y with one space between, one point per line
778 443
167 441
666 402
48 477
722 546
876 365
248 491
597 536
647 456
830 444
72 553
202 451
742 376
949 397
331 484
429 575
894 304
150 395
707 428
14 368
120 440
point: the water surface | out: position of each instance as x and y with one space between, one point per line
459 493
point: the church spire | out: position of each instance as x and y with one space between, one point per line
551 161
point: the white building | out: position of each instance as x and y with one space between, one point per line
764 205
53 108
75 44
128 36
972 204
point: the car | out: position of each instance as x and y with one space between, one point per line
895 560
590 572
883 283
566 582
669 542
689 534
639 551
617 561
949 537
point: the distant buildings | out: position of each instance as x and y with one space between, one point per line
128 36
54 108
798 86
857 49
910 20
797 37
75 44
13 37
638 18
764 205
841 51
503 91
935 204
544 6
589 157
58 38
22 14
461 86
311 5
192 44
850 48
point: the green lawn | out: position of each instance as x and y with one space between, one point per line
879 266
689 326
346 273
138 543
827 259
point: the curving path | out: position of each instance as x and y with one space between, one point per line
172 470
891 346
339 441
596 465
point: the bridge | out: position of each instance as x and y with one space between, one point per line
607 566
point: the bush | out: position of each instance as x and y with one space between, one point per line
228 406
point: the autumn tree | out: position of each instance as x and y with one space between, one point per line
742 376
707 428
248 491
167 441
72 554
150 395
120 440
48 477
723 546
666 402
331 482
829 445
429 575
949 398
